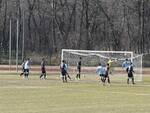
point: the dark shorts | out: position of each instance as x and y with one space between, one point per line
26 71
63 73
106 75
101 75
43 70
130 75
79 69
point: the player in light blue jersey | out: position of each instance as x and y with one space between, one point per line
66 68
126 64
100 71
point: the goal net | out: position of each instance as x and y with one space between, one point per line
91 59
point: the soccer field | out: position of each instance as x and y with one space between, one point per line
18 95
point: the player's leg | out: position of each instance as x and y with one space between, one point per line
104 79
41 75
108 78
22 72
27 73
127 80
45 75
132 79
65 78
129 76
77 76
79 73
62 77
68 76
110 70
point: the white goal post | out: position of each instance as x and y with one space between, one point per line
91 59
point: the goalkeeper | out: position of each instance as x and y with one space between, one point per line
110 62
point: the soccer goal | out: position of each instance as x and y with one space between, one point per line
91 59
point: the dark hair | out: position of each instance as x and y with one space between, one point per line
100 64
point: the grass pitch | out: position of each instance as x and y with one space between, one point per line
18 95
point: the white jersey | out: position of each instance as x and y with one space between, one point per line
27 65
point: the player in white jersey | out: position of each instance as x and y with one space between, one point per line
27 68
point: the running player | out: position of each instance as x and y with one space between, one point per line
100 71
43 70
79 69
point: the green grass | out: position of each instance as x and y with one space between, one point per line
18 95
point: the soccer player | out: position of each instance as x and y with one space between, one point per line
43 70
79 69
26 68
100 71
110 61
63 70
106 75
67 71
126 64
130 73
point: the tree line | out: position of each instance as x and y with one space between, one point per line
51 25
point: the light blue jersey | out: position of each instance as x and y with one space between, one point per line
64 66
126 64
100 70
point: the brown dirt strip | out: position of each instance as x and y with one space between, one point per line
55 69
